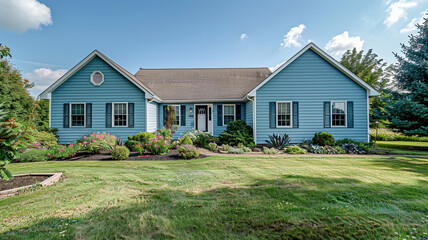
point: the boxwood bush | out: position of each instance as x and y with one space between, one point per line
120 153
322 139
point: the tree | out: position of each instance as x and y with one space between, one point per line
4 51
374 71
169 118
14 92
410 112
368 67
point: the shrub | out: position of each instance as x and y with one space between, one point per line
324 149
224 147
187 152
267 150
191 135
212 147
322 139
34 155
186 141
340 150
64 152
235 150
165 133
203 138
130 137
345 140
158 145
46 139
385 134
352 148
132 145
143 137
278 142
237 132
96 142
120 153
295 150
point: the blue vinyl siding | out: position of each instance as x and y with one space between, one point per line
249 113
311 80
79 89
190 119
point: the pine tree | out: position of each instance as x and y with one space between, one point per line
410 112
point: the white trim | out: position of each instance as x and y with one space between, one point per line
368 117
71 115
291 114
326 57
147 114
179 114
198 101
255 120
127 114
50 109
92 79
212 116
81 64
234 112
331 113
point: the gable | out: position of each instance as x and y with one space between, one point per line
310 73
46 94
311 47
80 83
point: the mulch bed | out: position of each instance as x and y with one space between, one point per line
134 156
21 181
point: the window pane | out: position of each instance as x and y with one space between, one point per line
228 119
229 110
284 114
338 107
119 115
77 115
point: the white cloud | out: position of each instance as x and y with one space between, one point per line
293 37
244 36
272 69
397 10
22 15
43 77
411 26
342 42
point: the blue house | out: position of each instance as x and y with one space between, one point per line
309 93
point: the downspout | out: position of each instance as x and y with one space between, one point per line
252 99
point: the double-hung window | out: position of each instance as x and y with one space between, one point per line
176 114
228 114
338 114
120 114
283 114
77 114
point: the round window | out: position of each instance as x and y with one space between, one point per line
97 78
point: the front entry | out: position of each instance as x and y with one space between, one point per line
202 118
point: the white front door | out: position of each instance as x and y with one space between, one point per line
201 118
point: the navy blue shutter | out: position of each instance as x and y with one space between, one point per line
327 115
88 115
183 115
350 114
66 115
164 114
219 115
238 112
272 114
108 115
131 114
295 114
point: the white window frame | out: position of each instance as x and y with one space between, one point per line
84 115
94 83
179 114
291 114
112 114
234 112
346 114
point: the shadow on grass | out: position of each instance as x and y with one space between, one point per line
410 164
290 207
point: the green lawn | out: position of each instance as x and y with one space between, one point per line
224 198
404 147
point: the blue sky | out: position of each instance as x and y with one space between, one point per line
48 37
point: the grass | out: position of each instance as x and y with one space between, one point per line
303 197
404 147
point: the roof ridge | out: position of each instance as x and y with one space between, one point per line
204 68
